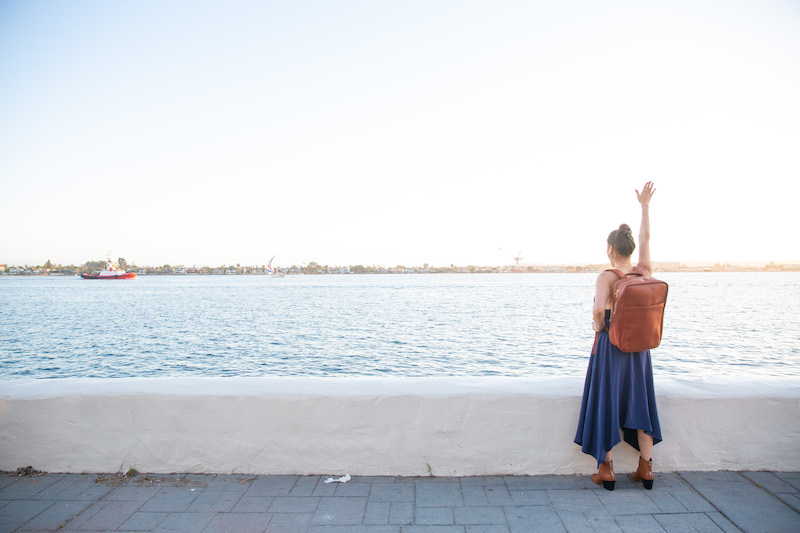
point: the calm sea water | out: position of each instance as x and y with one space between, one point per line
397 325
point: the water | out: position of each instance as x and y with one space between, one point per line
385 325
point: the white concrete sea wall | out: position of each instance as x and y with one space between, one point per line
376 426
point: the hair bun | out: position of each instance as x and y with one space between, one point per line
625 229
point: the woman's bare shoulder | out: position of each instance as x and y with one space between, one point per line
606 278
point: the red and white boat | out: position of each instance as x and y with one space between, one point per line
111 272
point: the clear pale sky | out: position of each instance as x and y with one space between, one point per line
387 133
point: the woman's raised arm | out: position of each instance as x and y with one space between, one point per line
644 228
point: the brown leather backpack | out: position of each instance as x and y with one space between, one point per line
637 311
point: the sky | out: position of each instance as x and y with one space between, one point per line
396 133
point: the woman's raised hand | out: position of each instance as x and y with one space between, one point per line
646 194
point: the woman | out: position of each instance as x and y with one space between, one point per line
618 393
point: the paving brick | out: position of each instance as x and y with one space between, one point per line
131 494
474 496
770 482
480 515
638 524
85 489
434 529
682 522
214 502
792 478
377 513
26 488
575 522
355 529
619 502
143 521
252 504
200 480
723 523
372 479
529 497
425 479
688 498
438 494
7 479
669 481
749 507
435 516
294 504
394 492
498 496
305 486
574 500
532 518
84 516
339 511
289 523
601 521
185 522
355 489
401 513
549 482
487 529
111 516
328 489
17 512
235 522
793 500
57 515
232 483
482 481
171 500
272 486
665 501
54 491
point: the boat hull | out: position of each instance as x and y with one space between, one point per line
126 275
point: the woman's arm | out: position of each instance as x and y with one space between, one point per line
644 228
602 295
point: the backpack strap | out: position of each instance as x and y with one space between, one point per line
635 272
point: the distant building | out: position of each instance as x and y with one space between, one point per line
667 266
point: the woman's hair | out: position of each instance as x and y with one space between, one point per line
622 240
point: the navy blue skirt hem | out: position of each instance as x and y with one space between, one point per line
618 399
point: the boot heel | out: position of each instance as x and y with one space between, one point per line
609 485
648 483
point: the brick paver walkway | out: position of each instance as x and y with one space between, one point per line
690 501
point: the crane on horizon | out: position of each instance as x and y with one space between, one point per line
516 259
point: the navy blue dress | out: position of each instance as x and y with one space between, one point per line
618 394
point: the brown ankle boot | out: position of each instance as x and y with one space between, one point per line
605 475
644 473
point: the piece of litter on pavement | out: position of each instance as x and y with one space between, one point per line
343 479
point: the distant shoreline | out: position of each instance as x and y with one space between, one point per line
411 271
313 268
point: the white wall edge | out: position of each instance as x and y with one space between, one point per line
379 426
